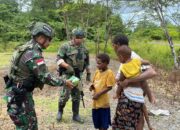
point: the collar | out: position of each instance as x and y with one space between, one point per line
71 43
36 45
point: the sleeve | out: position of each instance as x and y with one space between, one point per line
118 74
38 67
135 55
110 79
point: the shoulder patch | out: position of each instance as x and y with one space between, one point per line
27 56
40 61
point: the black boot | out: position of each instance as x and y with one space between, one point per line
75 109
60 111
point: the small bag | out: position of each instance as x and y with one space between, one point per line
74 80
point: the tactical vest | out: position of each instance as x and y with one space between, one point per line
76 56
16 58
20 73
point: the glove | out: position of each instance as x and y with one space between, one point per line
82 93
69 70
88 77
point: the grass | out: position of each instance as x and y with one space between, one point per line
158 54
5 59
46 109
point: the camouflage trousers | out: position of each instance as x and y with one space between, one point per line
65 94
24 116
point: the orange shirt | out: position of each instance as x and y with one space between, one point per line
101 81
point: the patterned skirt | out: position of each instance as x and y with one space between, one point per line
127 114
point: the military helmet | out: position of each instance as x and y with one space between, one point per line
78 32
40 27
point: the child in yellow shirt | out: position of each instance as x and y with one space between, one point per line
131 68
103 82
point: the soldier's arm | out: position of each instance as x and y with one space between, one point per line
60 57
60 60
36 64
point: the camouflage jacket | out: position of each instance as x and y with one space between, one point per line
76 56
28 64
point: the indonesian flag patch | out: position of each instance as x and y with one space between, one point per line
40 61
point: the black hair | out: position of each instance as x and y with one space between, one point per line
124 51
104 58
120 39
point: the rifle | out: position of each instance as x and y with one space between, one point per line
82 95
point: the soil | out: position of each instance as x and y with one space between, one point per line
167 96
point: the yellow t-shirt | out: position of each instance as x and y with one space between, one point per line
132 68
101 81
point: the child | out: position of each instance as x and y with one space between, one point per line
131 68
103 82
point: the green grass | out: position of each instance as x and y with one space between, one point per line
158 54
5 59
49 106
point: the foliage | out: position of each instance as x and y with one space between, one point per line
157 53
151 31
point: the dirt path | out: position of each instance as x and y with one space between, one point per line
46 104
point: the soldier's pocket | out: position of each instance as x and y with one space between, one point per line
15 118
72 56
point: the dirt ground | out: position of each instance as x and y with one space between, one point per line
167 95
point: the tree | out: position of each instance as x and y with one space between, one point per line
157 7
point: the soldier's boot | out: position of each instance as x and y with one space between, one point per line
60 111
75 108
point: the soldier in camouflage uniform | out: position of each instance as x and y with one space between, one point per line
73 59
28 71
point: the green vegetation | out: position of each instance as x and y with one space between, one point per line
99 20
5 59
157 52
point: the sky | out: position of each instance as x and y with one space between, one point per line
134 14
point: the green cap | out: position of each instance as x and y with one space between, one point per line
78 32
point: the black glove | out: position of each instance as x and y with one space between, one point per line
82 93
69 70
88 77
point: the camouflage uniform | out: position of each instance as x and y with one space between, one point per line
28 71
78 58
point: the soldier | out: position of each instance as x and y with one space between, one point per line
28 70
73 59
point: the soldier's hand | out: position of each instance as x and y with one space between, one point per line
88 77
70 70
69 84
